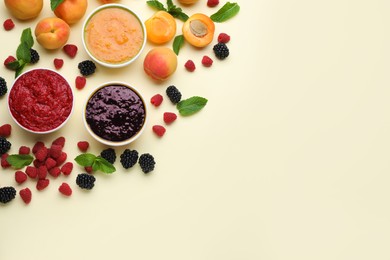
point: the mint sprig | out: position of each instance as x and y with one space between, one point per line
225 13
19 161
178 43
98 163
23 54
171 8
191 105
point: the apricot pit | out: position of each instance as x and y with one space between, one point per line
198 30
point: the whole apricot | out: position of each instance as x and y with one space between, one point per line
24 9
71 11
199 30
52 33
161 27
188 2
160 63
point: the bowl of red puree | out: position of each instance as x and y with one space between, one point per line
115 113
40 101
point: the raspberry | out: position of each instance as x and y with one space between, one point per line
58 63
88 169
65 189
24 150
9 60
55 151
41 154
147 163
42 184
223 37
37 146
20 177
169 117
50 163
207 61
70 50
42 172
55 171
212 3
59 141
190 65
156 100
5 130
4 162
60 160
80 82
67 168
159 130
83 146
8 24
38 163
26 195
32 172
7 194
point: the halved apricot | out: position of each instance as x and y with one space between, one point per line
198 30
161 27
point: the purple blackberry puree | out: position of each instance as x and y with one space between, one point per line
115 113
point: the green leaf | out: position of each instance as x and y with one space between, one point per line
23 52
55 3
191 105
178 43
18 161
170 4
103 165
156 5
14 65
226 12
85 159
27 38
19 70
179 15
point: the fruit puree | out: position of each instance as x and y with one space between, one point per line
115 113
114 35
40 100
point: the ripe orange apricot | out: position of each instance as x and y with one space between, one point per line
198 30
161 27
188 2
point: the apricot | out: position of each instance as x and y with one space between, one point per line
199 30
24 9
188 2
160 63
52 33
71 11
161 27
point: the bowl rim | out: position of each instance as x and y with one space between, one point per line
34 131
103 63
105 141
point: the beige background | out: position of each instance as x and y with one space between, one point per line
288 160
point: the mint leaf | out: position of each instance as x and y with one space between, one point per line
103 165
178 13
170 4
14 65
20 68
178 43
85 159
156 5
226 12
23 52
55 3
191 105
27 38
18 161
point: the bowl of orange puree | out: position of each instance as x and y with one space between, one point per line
113 35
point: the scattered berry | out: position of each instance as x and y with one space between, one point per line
55 151
83 146
212 3
207 61
32 172
109 154
87 67
42 172
8 24
38 163
223 38
34 56
5 145
60 160
20 177
156 100
7 62
5 130
129 158
55 171
147 163
70 50
67 168
24 150
159 130
3 87
37 146
80 82
169 117
221 51
50 163
65 189
190 65
7 194
58 63
4 162
85 181
26 195
59 141
42 184
173 94
41 154
88 169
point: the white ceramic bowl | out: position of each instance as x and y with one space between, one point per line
93 54
109 121
39 98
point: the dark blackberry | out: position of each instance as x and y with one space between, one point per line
87 67
85 181
7 194
34 56
3 87
5 145
221 50
129 158
173 94
109 154
146 161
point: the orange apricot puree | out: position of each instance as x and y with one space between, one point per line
114 35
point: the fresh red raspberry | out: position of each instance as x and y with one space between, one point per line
190 65
212 3
38 145
41 154
55 171
58 63
67 168
80 82
156 100
24 150
55 151
59 141
207 61
70 50
32 172
223 37
83 146
50 163
5 130
9 60
88 169
4 162
42 172
26 195
65 189
20 177
159 130
42 184
169 117
60 160
8 24
38 163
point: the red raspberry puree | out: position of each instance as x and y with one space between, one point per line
40 100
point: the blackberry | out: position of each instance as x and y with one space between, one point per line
7 194
5 145
129 158
3 87
87 67
109 154
221 50
174 94
85 181
34 56
146 161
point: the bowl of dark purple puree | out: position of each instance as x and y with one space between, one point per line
115 113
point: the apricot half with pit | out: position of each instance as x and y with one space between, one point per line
198 30
161 27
